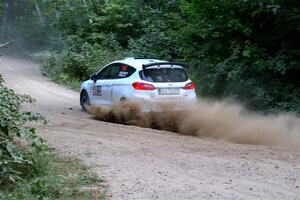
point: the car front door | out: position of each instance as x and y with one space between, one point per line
102 88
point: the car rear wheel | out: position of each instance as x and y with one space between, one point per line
84 100
123 100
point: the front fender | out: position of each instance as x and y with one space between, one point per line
87 86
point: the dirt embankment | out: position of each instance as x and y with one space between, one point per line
143 163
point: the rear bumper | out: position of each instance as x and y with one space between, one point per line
161 105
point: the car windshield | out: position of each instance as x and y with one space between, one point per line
163 75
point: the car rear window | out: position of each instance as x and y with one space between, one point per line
164 75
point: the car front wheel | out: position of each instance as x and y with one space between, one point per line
84 100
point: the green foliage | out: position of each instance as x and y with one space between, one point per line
77 61
245 49
111 32
159 39
12 129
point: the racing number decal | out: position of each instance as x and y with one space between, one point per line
97 90
122 74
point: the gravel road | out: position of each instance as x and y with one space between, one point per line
140 163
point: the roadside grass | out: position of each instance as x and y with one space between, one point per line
55 177
73 84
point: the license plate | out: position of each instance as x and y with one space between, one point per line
168 91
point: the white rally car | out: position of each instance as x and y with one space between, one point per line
149 82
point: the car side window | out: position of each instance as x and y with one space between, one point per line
104 73
125 71
116 71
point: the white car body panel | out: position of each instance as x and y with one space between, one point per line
110 92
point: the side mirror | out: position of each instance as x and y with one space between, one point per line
94 78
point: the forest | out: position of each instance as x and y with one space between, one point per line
246 50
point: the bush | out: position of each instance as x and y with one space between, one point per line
13 155
235 52
77 61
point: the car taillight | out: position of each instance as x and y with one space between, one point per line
190 86
143 86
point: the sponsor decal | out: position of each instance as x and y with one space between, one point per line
97 90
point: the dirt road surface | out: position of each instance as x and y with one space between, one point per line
141 163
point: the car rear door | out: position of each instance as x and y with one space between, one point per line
110 83
120 82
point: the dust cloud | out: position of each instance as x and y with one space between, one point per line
220 120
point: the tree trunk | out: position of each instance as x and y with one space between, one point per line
9 11
84 3
56 15
38 11
3 15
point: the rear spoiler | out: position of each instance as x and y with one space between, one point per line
145 66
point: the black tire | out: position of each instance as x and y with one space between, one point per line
123 100
84 100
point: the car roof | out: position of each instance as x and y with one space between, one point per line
137 62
